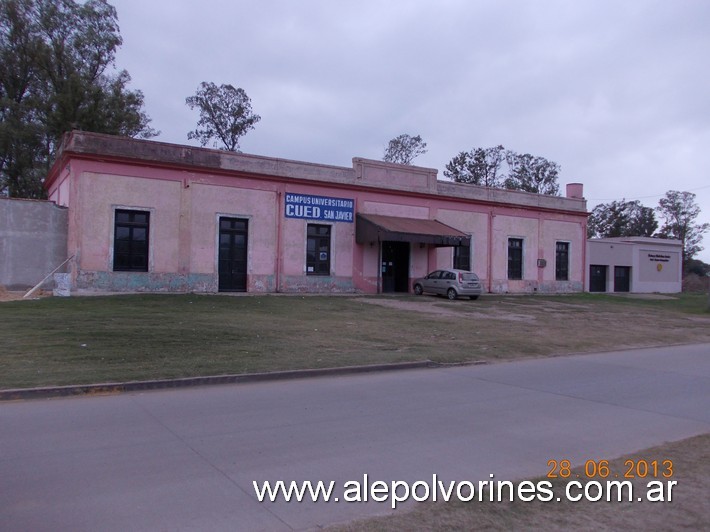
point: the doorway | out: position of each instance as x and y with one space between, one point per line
597 278
622 278
233 234
395 266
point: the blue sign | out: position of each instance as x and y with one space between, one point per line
319 208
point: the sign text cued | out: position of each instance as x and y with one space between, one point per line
319 208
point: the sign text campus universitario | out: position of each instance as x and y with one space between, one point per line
319 208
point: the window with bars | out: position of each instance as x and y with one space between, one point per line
130 240
462 257
515 258
562 261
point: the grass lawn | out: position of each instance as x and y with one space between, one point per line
83 340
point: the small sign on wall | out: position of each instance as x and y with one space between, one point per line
323 208
661 266
659 257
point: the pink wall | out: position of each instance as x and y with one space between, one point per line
186 202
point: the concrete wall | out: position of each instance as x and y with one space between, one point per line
656 264
33 241
658 269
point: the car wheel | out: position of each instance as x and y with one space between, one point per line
418 289
451 293
473 298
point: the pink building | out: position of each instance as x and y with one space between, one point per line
150 216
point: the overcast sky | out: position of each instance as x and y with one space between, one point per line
616 92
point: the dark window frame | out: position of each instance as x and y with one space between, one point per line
131 253
462 258
562 261
515 258
318 241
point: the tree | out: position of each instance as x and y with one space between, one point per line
480 166
642 220
404 149
55 57
531 174
621 218
679 212
225 115
698 267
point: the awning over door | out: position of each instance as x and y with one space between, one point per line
377 228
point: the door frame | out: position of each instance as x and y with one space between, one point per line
626 278
218 217
400 277
592 277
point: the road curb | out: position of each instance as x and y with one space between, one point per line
111 388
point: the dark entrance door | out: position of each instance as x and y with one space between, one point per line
597 278
395 266
233 254
622 278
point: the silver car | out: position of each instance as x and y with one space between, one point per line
449 282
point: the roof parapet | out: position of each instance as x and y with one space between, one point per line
366 173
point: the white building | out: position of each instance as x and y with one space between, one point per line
635 264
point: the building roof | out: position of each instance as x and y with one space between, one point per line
364 174
377 228
648 240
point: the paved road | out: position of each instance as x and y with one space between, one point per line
186 459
